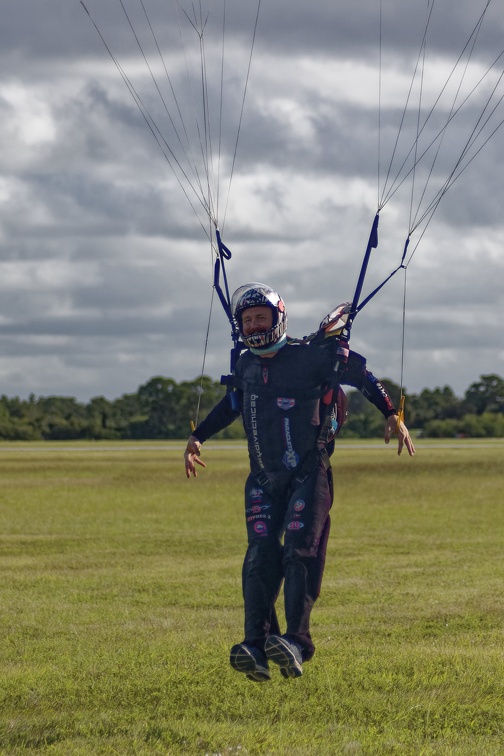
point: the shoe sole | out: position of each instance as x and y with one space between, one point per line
278 652
242 661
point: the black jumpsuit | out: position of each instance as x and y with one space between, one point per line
283 401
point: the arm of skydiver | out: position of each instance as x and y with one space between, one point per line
191 457
358 376
394 425
222 415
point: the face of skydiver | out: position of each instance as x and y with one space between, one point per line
256 320
258 336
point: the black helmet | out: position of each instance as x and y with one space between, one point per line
260 295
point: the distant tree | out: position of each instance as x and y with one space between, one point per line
128 414
163 408
61 418
200 394
487 425
14 427
486 395
102 419
158 402
365 424
169 407
357 402
364 419
437 404
14 406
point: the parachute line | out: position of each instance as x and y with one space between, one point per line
421 207
196 161
160 140
405 111
242 109
419 156
380 73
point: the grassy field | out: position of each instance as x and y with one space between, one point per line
120 597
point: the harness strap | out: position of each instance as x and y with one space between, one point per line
310 463
249 387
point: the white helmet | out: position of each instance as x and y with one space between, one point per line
260 295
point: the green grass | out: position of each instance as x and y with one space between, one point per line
120 597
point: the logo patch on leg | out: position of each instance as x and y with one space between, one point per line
295 525
260 528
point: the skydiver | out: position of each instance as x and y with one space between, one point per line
291 404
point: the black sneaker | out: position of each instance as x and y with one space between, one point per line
286 654
251 661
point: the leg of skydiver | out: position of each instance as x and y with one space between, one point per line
307 526
261 579
262 567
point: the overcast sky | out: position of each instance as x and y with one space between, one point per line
105 266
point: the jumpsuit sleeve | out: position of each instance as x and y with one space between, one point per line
222 415
358 376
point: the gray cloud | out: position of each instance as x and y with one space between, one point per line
105 268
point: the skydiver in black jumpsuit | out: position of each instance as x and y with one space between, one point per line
287 396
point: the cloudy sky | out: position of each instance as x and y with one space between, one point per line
105 264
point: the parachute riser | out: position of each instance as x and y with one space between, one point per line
372 244
356 307
223 254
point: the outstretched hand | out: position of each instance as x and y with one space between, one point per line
392 426
192 456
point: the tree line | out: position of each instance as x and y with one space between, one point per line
436 413
164 409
